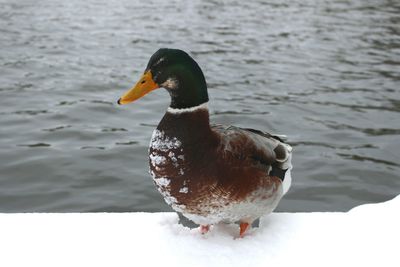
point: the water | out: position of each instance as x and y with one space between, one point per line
326 73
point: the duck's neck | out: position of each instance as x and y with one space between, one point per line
189 125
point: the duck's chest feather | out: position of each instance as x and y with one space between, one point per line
179 155
193 172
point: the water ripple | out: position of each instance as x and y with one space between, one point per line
364 158
35 145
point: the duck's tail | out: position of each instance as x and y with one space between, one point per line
283 166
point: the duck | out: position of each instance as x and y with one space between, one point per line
210 173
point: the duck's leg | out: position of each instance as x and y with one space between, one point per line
243 227
204 229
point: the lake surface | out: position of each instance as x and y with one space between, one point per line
325 73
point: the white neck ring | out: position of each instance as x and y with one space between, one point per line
186 110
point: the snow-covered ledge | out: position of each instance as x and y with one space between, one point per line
368 235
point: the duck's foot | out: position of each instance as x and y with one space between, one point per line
204 229
243 227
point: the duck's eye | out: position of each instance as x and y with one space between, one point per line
142 82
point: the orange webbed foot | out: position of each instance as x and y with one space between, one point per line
243 227
204 229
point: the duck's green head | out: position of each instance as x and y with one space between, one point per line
176 71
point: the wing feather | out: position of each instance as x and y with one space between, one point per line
260 147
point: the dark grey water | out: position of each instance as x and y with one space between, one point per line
326 73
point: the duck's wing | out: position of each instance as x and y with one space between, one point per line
260 148
282 138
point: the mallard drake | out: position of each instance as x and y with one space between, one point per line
209 173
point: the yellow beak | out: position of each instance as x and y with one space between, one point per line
144 86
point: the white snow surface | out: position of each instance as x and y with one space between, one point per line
157 160
367 235
159 141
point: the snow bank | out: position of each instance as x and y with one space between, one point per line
368 235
